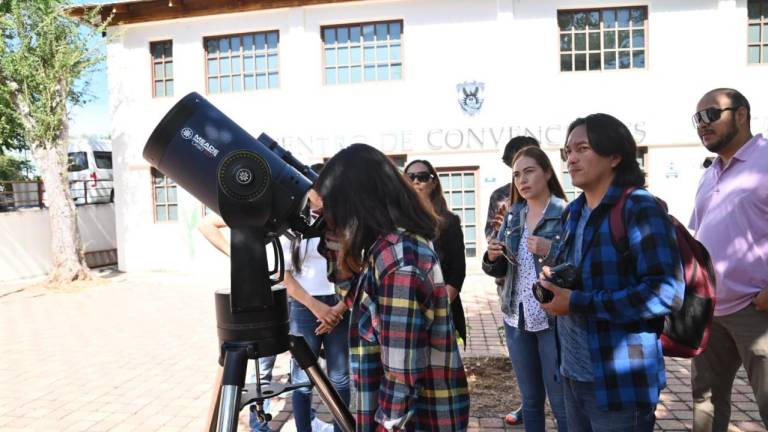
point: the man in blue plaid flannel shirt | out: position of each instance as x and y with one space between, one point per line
610 356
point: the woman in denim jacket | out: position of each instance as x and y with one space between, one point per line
529 238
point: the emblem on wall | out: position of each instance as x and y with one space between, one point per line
469 96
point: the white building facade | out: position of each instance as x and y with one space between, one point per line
448 81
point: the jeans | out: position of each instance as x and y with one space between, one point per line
584 414
534 357
266 364
304 323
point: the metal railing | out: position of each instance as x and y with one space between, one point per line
20 194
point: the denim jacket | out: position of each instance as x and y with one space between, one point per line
549 227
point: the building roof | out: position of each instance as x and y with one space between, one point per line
137 11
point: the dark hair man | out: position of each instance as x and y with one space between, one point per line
610 355
731 219
497 206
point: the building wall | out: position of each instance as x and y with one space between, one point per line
512 46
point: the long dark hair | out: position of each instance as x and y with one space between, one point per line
436 197
365 196
608 136
297 258
542 160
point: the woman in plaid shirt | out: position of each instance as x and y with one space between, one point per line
405 361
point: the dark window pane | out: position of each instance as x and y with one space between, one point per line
368 33
638 38
754 54
565 20
260 42
224 45
580 20
566 42
594 41
637 15
638 59
609 40
610 60
624 62
381 32
566 62
753 9
609 18
580 62
623 38
765 9
212 46
234 44
343 34
157 51
329 36
593 20
754 33
272 40
395 30
580 40
354 34
78 161
103 159
623 17
247 44
594 61
168 49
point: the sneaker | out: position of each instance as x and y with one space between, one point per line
321 426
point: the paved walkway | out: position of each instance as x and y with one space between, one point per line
138 352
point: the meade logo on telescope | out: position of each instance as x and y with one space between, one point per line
199 142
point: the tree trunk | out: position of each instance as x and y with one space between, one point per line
66 246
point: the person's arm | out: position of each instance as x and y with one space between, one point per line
659 274
493 263
455 265
210 226
405 306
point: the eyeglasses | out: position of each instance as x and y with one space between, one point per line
710 115
422 176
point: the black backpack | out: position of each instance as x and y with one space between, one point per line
683 333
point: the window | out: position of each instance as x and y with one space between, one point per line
603 39
460 191
572 192
164 197
77 161
356 53
242 62
757 49
162 68
103 159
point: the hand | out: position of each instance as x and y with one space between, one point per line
761 300
338 310
538 246
495 250
498 218
325 314
452 292
561 303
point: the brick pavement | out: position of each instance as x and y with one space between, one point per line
138 353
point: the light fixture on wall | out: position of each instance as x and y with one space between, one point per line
170 3
672 171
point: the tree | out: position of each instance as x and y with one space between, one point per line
12 168
44 59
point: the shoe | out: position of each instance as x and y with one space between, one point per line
321 426
515 417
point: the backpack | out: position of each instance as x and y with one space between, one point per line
683 333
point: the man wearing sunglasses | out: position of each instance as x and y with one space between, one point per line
497 207
731 219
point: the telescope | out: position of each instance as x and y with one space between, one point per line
259 189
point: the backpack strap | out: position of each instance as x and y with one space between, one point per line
617 226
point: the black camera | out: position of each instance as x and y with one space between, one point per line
565 275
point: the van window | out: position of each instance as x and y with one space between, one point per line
77 161
103 159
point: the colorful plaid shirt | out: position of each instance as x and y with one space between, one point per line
404 357
627 359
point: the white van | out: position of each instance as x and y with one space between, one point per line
90 171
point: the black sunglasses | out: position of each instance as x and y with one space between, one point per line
710 115
422 176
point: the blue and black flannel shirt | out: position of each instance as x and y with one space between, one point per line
620 304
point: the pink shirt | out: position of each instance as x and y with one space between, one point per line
731 219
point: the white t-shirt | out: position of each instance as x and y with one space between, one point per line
313 277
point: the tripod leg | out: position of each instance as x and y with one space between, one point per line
213 407
232 382
308 362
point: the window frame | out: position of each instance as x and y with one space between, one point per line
163 61
265 52
362 44
762 24
165 185
474 169
602 31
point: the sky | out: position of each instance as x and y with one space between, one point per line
93 117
